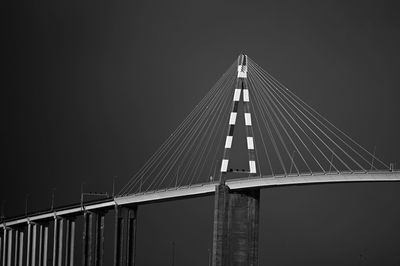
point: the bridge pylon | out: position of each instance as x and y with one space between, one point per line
236 213
241 88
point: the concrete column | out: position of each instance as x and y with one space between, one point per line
4 247
93 239
84 236
220 235
67 229
16 250
1 249
45 244
34 239
236 226
99 237
40 253
60 241
69 241
55 242
9 248
125 236
72 244
28 245
21 248
87 239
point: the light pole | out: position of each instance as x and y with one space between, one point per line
113 188
82 194
26 204
2 216
52 197
209 257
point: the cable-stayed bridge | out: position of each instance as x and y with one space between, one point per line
247 133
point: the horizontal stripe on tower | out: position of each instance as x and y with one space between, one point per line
228 142
242 71
252 165
236 96
232 119
250 143
246 96
247 119
224 165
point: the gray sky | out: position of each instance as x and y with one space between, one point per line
92 88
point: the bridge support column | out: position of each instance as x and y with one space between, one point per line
99 237
40 253
58 241
17 245
1 248
43 244
34 240
10 247
87 239
236 223
93 239
125 236
20 248
70 242
28 243
4 251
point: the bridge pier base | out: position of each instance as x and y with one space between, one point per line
58 241
93 239
44 243
70 242
20 248
10 246
236 226
125 236
4 247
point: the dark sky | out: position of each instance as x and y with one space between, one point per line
90 89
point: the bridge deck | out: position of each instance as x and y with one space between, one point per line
209 188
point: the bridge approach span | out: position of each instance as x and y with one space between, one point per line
209 188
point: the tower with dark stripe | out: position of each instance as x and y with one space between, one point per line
236 213
241 88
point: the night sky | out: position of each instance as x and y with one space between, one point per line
90 89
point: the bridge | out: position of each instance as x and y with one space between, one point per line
279 141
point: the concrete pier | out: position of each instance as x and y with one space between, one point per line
125 236
4 247
21 248
236 225
99 239
93 239
9 247
69 242
43 244
58 233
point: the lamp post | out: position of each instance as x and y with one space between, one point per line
82 194
52 197
113 187
26 204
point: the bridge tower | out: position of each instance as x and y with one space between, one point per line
236 213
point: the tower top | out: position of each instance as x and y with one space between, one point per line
242 66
